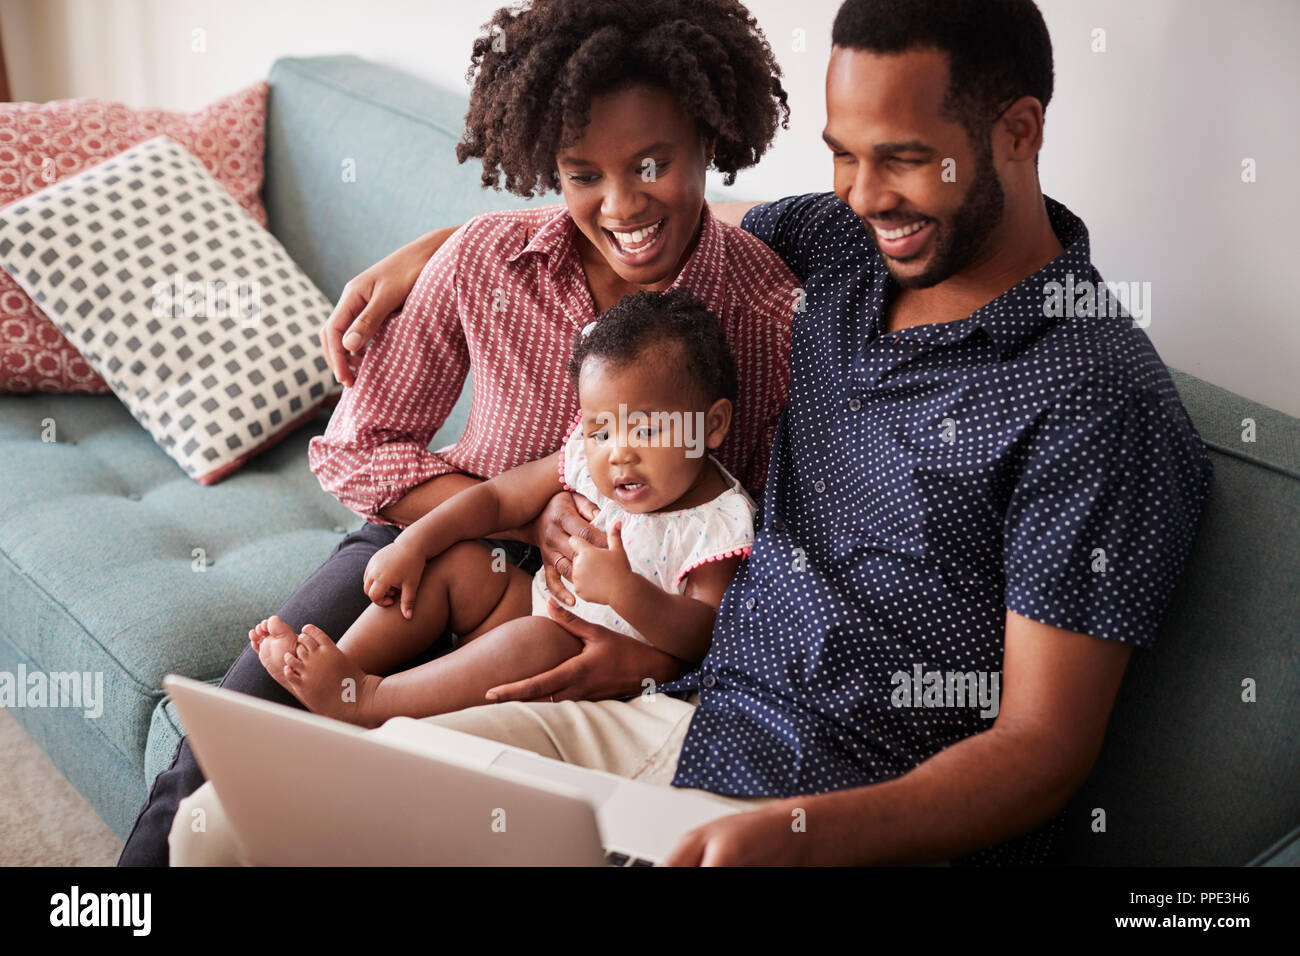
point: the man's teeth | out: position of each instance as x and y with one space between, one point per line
637 237
902 231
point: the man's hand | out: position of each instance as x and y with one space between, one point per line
762 837
609 665
370 298
394 568
569 515
600 573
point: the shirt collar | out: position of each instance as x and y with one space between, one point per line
556 234
1017 315
705 272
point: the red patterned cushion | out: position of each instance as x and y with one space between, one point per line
42 143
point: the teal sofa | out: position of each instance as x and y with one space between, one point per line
98 573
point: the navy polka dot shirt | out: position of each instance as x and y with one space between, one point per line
921 483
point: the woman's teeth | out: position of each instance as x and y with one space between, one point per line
638 239
902 231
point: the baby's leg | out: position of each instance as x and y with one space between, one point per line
461 589
517 649
465 588
523 647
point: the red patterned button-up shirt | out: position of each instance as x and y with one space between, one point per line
504 299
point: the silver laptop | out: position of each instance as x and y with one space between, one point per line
304 790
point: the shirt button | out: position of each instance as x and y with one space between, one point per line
749 604
819 486
709 680
854 404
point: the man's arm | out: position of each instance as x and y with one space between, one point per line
1058 688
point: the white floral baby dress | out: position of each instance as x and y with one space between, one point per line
661 545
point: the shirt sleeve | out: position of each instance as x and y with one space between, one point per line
790 227
574 456
375 448
725 531
1102 519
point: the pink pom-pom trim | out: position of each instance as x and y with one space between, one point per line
569 434
733 553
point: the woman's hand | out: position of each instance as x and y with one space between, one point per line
370 298
609 665
394 568
567 515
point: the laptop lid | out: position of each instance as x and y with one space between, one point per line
304 790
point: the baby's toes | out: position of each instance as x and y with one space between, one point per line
312 637
292 666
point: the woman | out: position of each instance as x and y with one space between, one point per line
621 107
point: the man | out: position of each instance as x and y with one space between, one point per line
976 506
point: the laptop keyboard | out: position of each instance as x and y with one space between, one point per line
613 858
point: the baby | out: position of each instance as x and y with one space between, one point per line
656 384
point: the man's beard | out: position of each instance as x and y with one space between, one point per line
973 222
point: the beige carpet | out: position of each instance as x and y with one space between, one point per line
43 820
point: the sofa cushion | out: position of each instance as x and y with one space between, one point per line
113 562
191 311
44 143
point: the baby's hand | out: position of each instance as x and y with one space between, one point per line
600 573
394 569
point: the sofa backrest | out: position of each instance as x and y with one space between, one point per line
359 160
1201 763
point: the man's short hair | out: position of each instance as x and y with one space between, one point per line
998 50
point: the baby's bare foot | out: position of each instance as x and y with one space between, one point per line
328 682
273 639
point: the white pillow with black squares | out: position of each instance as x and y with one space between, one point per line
192 312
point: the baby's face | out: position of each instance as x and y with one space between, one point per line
650 452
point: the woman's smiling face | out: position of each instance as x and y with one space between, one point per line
634 183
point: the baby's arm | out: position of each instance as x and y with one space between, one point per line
511 499
679 624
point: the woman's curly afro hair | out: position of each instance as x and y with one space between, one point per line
537 65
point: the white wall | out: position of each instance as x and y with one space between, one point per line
1145 141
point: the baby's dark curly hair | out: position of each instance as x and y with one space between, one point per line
536 67
644 326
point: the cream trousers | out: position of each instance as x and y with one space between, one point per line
640 739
